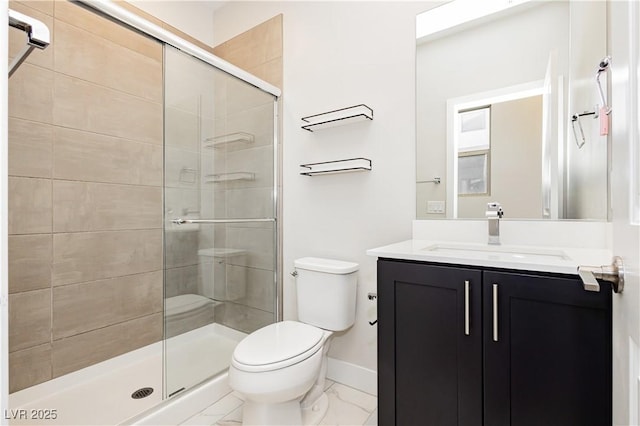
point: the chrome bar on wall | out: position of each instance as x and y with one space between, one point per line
180 221
38 35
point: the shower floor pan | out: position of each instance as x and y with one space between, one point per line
102 393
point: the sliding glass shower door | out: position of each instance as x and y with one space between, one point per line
220 217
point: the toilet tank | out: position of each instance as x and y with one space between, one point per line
326 291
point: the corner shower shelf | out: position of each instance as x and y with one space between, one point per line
229 177
338 166
231 139
338 117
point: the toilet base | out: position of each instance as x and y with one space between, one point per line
315 413
286 413
260 414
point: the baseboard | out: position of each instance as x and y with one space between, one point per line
353 375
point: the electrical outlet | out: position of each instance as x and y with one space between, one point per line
435 206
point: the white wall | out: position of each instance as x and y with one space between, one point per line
587 176
191 17
338 54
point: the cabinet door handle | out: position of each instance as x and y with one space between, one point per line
495 312
466 308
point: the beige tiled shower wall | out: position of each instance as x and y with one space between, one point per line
85 195
259 51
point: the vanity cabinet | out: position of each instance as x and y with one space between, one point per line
462 345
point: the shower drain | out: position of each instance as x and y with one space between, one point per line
142 393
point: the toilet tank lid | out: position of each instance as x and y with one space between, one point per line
326 265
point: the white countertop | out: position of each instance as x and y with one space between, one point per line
563 260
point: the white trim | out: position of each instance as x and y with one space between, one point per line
634 132
111 9
4 278
352 375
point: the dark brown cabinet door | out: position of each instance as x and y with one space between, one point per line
551 363
429 345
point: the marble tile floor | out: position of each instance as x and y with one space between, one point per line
347 407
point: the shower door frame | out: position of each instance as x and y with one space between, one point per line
172 214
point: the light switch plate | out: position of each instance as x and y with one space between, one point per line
435 206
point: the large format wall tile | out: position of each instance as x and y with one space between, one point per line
30 148
87 106
242 317
182 280
70 13
80 54
29 205
181 248
259 286
182 128
90 256
78 308
257 121
89 348
86 156
258 242
182 168
257 160
29 367
44 6
29 262
31 94
258 45
249 203
82 206
270 71
242 97
181 202
30 319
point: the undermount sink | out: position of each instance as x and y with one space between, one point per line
497 252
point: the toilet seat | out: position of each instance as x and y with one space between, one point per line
277 346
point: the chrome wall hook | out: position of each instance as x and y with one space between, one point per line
38 36
602 67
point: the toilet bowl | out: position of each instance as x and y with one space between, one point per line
274 381
280 369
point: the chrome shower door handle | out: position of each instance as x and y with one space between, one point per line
466 308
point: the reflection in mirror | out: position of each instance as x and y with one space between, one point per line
495 97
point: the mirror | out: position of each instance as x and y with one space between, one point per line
496 91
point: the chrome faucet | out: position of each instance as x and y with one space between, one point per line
494 213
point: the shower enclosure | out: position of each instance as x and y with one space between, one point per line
220 216
143 232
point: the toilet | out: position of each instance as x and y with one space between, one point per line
279 370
